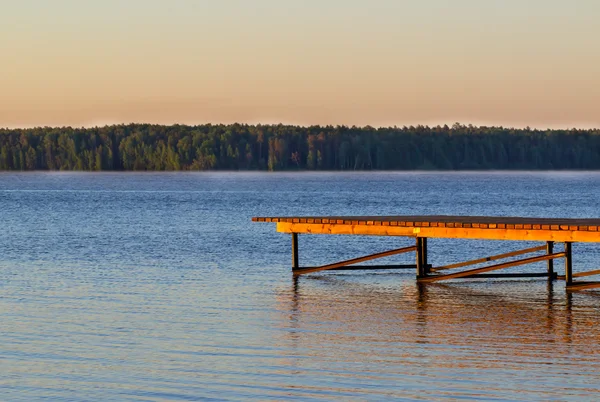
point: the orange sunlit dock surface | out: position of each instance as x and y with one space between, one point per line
547 230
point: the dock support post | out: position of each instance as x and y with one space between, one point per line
426 266
550 250
295 264
421 270
568 264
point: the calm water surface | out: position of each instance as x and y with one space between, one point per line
158 287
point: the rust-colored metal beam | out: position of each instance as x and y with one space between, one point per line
426 266
491 268
583 285
491 258
587 273
550 263
568 264
295 262
368 267
301 271
419 258
510 275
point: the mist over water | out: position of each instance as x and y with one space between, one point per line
157 286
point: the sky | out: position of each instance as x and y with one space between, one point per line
374 62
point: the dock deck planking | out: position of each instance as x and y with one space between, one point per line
443 226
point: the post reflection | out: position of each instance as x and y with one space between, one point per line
421 309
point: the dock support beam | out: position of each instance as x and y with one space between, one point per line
426 266
568 264
550 250
346 264
422 266
295 263
420 272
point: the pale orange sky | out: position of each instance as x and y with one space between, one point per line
376 62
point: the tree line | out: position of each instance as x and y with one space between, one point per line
287 147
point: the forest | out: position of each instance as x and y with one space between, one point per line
288 147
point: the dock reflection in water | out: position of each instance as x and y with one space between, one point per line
505 339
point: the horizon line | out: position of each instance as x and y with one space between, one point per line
585 127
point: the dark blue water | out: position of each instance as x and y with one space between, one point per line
159 287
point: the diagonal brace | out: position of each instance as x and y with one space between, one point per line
583 285
587 273
491 258
503 265
300 271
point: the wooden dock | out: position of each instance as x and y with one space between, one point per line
547 230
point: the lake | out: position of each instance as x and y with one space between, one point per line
157 286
